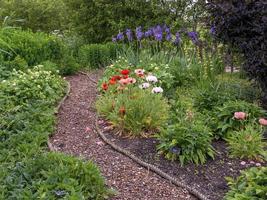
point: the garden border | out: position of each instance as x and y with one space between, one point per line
146 165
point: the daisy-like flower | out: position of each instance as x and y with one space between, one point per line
139 72
144 86
151 78
156 90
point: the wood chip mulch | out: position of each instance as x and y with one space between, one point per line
75 134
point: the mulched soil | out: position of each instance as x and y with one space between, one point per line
209 179
75 134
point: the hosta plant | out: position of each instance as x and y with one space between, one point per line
247 143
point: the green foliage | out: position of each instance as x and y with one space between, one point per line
53 176
188 141
247 143
135 112
251 184
224 116
94 55
38 15
27 101
24 49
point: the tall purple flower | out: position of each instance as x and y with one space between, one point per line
129 35
149 33
168 33
120 36
193 36
158 33
139 33
177 40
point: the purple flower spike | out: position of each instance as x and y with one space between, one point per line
177 40
120 36
158 33
193 36
139 33
148 33
168 34
129 35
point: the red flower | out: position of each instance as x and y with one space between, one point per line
104 86
125 76
122 110
112 81
125 72
116 78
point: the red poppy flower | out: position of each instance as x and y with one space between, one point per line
125 72
116 78
125 76
104 86
122 110
112 81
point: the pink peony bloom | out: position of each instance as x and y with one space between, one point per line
240 115
263 121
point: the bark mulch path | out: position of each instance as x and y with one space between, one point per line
75 134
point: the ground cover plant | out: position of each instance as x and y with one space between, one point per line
27 171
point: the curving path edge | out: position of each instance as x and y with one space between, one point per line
77 133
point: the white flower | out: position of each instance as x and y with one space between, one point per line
157 90
151 78
144 85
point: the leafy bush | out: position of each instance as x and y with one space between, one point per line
53 176
242 24
27 102
188 141
247 143
20 49
224 116
251 184
32 85
135 112
93 56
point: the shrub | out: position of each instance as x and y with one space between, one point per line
53 176
135 112
24 49
247 143
36 84
188 141
251 184
224 116
94 55
242 24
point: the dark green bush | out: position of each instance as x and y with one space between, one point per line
97 55
24 49
251 184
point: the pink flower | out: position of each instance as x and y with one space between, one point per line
263 121
258 164
240 115
124 81
139 72
131 80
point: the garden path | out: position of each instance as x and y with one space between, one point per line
76 134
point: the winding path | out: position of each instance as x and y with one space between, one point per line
76 134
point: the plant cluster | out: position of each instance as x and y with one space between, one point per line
27 101
251 184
